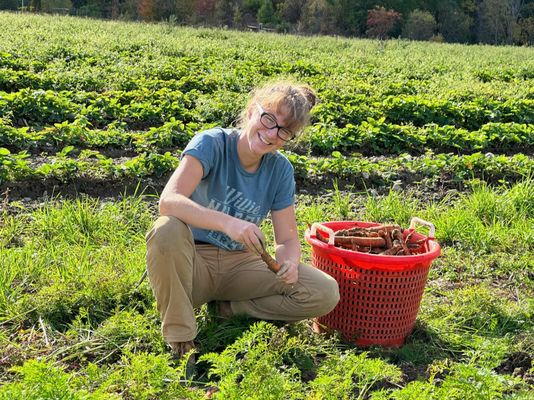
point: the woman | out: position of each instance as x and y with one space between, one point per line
207 243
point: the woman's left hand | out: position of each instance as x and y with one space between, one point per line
289 272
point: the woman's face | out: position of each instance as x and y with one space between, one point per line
268 130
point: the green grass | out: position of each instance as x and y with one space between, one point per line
75 326
73 322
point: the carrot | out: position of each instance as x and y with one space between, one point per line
386 237
347 246
392 251
386 227
420 241
321 237
360 241
397 234
272 264
352 232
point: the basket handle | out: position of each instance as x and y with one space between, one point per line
417 220
313 232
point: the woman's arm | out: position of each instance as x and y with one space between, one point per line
175 200
287 243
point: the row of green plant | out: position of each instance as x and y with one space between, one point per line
88 164
173 133
20 72
266 362
69 165
152 107
129 56
376 137
371 137
68 298
406 168
137 107
421 110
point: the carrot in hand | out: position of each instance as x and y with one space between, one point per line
272 264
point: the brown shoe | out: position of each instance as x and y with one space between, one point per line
179 349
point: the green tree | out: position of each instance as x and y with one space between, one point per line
405 7
163 9
290 10
55 5
225 11
146 9
496 21
10 4
251 6
266 14
524 31
320 16
420 25
453 22
34 5
183 10
353 20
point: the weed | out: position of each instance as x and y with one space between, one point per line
42 380
342 203
252 367
348 375
395 207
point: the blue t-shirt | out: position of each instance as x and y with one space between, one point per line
226 186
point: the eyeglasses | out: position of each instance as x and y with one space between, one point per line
269 121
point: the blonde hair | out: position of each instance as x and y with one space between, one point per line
296 100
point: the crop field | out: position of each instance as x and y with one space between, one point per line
93 118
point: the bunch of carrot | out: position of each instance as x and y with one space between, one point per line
387 239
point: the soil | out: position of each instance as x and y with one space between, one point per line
412 372
35 189
518 364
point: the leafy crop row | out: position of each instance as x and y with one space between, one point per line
420 110
67 166
376 137
371 137
153 106
173 133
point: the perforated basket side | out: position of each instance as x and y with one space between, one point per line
376 306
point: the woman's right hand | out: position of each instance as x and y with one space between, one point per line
246 233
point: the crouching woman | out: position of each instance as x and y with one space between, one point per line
206 244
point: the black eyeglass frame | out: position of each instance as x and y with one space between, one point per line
271 117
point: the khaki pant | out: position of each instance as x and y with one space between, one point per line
185 275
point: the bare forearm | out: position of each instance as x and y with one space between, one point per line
289 250
193 213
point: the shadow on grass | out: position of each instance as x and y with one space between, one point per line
423 347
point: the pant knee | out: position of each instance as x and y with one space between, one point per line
166 233
328 296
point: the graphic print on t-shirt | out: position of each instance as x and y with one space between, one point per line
237 205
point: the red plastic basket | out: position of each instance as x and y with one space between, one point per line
379 295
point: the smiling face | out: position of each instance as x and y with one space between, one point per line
274 114
266 129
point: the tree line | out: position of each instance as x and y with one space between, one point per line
460 21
